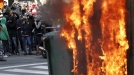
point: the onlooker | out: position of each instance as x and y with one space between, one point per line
25 8
25 30
33 9
18 23
5 10
39 33
4 36
22 27
16 7
40 7
32 26
12 29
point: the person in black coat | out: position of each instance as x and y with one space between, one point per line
12 30
32 26
39 31
25 31
18 23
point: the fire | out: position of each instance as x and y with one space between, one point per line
114 42
1 3
77 23
78 33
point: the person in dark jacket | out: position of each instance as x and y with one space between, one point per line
25 31
5 10
18 23
12 30
39 33
16 7
32 26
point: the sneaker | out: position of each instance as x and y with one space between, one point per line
18 54
5 56
37 53
25 53
2 59
9 54
30 53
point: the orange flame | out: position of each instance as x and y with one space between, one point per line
78 22
114 42
1 3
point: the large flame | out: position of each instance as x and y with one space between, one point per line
77 23
78 32
1 3
114 42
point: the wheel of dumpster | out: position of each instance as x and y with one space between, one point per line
43 53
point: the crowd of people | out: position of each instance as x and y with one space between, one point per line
21 27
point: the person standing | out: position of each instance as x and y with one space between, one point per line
4 36
16 7
39 33
32 26
25 8
5 10
18 23
12 29
25 31
33 9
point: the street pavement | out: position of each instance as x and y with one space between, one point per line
24 65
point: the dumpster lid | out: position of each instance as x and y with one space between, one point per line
51 34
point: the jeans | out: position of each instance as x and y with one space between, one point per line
32 41
20 40
13 43
24 39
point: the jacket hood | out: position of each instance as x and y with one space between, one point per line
3 21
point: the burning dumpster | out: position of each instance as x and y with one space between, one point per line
95 37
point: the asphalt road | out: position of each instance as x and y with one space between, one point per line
24 65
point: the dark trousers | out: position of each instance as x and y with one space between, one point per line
20 40
13 44
5 44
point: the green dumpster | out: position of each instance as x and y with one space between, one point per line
59 56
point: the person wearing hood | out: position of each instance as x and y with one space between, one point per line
4 36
